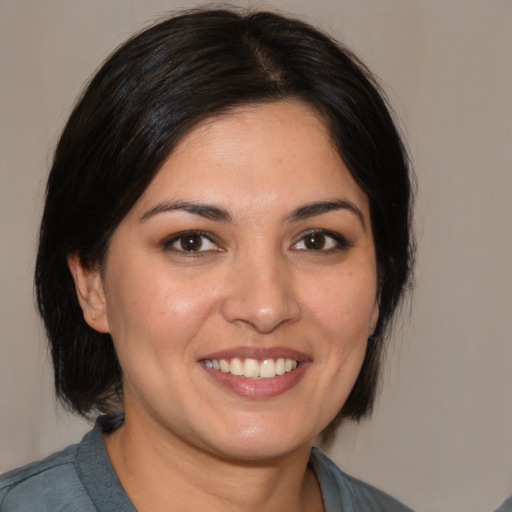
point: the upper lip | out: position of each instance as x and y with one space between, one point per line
258 353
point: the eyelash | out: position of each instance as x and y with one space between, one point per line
339 241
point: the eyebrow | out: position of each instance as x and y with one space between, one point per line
204 210
217 213
321 207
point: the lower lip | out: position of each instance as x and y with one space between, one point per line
258 388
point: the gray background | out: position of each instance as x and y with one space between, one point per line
441 436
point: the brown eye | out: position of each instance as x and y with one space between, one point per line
321 241
314 241
191 242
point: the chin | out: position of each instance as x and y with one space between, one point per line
263 442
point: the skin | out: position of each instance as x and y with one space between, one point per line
188 440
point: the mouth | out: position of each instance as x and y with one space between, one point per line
253 368
256 372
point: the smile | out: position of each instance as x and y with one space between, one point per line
252 368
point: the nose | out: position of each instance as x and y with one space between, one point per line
261 294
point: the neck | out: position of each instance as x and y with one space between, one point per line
162 472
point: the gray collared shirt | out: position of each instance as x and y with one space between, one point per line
82 479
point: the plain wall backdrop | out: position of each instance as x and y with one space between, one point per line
441 437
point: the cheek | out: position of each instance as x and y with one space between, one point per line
152 310
345 306
152 320
342 312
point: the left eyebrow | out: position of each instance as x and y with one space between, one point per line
321 207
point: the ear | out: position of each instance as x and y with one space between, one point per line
90 293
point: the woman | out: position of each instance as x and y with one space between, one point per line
225 241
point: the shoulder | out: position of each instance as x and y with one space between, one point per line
45 485
506 506
340 489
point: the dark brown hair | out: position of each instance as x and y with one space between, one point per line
151 91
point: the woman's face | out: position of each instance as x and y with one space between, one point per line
250 253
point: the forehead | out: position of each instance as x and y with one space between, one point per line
260 153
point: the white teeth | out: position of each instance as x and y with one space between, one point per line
236 367
252 368
280 366
267 369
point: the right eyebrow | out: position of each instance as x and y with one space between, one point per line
207 211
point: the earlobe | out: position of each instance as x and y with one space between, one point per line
90 293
